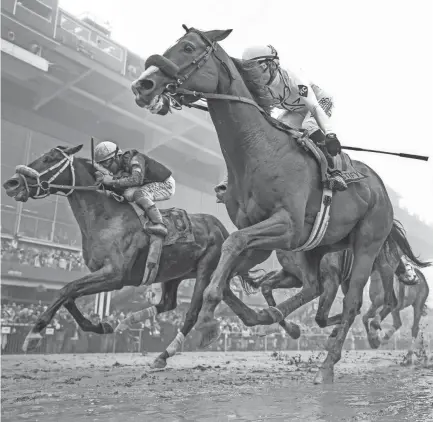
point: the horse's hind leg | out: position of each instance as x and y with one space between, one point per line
281 280
167 303
383 269
330 289
372 335
369 238
204 273
396 325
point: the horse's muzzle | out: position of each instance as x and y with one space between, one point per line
166 66
15 189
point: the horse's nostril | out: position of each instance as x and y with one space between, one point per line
146 84
10 184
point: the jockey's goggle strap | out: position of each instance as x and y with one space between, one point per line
264 59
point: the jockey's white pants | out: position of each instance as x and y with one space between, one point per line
155 191
306 121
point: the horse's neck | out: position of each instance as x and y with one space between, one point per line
241 127
87 206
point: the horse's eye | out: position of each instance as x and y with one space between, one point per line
188 48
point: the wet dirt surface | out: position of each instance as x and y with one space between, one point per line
214 386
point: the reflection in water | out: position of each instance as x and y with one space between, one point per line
354 398
236 387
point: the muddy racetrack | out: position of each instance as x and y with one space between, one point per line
214 386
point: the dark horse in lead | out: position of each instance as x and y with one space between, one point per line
274 189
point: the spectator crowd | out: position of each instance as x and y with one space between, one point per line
39 256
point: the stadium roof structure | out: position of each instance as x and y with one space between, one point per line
65 78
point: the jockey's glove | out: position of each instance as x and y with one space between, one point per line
332 144
107 180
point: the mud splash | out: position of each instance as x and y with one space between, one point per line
369 386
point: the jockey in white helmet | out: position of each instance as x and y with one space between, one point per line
306 106
138 177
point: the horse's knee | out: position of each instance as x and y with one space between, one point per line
235 243
212 294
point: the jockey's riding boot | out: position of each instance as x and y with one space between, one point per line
154 215
335 180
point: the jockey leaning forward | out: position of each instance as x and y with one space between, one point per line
306 106
138 177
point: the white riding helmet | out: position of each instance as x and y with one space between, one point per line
106 150
260 52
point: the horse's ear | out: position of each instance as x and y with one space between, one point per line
185 28
218 35
73 150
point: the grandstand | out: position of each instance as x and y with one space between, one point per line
65 80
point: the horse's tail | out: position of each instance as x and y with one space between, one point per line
398 235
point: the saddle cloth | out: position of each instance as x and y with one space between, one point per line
177 222
343 163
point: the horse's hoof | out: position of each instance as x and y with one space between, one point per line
107 328
293 330
375 325
373 341
269 316
408 360
324 376
158 363
208 332
32 341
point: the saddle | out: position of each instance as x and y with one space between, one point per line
180 230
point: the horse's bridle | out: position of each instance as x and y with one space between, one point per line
44 186
173 71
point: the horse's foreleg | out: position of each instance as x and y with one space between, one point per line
310 290
267 235
83 322
104 280
281 280
250 317
167 303
396 324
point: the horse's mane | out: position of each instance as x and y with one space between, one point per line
241 69
91 168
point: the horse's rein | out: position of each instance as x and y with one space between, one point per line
174 88
44 186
